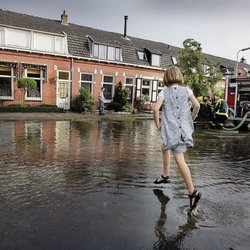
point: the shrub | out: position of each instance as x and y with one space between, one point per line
141 101
128 108
119 99
83 102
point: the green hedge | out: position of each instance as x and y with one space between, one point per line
16 108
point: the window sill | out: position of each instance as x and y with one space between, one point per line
33 99
3 98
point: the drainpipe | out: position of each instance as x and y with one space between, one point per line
71 76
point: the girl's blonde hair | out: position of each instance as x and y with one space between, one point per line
173 75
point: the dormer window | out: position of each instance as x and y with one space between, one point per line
33 40
105 52
154 57
174 60
155 60
141 55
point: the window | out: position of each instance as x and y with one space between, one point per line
59 44
33 40
111 53
96 50
160 86
2 35
174 60
108 84
87 81
129 86
48 42
155 85
102 51
146 89
141 55
155 60
6 82
118 54
107 52
37 75
17 37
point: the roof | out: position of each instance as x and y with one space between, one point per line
78 40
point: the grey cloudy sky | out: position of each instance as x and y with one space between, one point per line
221 26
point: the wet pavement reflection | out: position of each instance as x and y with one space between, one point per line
89 185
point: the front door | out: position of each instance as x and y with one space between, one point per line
63 90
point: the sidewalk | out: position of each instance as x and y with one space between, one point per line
18 116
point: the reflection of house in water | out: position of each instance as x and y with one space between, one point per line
62 137
83 141
7 135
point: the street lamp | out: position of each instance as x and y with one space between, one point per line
237 63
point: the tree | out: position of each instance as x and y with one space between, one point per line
26 84
191 63
119 99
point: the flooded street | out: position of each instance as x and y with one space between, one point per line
89 185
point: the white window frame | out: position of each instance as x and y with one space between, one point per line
155 60
130 85
106 52
149 87
112 84
41 79
65 81
88 82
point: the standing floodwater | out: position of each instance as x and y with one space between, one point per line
79 185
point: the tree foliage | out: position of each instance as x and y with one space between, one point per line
191 62
26 84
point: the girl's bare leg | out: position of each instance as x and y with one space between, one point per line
194 195
166 162
185 172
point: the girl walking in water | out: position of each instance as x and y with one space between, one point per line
176 127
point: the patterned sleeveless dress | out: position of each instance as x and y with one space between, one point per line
176 124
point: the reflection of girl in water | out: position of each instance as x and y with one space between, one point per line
166 241
176 127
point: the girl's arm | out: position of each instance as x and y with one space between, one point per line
196 106
156 113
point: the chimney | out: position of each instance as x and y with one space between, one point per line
125 26
64 18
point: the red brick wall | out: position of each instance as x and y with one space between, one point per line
120 72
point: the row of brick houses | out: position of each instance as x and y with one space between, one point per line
62 57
